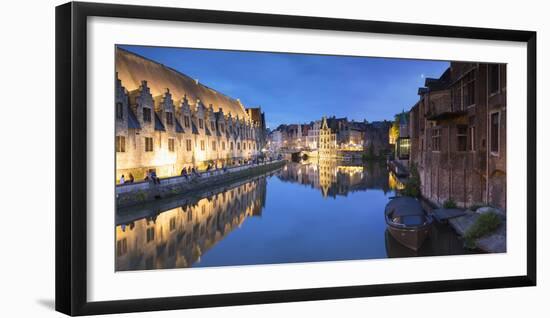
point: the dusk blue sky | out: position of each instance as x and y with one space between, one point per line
299 88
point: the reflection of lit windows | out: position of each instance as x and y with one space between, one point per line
171 250
231 145
223 145
149 262
172 224
214 145
150 234
121 247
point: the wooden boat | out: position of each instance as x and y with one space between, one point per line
407 222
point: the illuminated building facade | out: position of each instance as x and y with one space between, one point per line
166 121
327 141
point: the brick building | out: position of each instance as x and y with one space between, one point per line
458 135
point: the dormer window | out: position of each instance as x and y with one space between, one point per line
201 124
213 125
119 112
169 118
146 114
186 121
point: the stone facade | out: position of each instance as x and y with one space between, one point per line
166 133
458 135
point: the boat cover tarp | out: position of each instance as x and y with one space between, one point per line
404 206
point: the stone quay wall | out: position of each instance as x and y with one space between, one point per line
141 192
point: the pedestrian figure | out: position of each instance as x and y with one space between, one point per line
122 179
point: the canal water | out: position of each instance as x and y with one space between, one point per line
303 212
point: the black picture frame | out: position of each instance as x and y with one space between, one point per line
71 157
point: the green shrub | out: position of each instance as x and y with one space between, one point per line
485 224
449 204
412 186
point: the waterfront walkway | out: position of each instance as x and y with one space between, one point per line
139 192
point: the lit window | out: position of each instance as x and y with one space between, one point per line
120 144
213 145
202 145
188 144
171 144
148 144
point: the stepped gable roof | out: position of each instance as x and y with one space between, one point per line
179 128
158 123
194 128
132 119
133 68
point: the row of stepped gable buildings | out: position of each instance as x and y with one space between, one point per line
457 132
332 136
163 123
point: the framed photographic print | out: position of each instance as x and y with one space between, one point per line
208 158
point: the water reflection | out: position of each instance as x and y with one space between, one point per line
275 218
178 237
335 178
